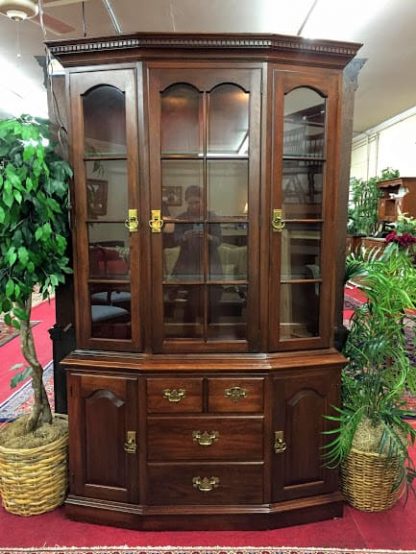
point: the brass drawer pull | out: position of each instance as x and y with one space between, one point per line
130 446
279 442
205 484
174 395
235 393
205 438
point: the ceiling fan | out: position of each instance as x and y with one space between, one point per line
19 10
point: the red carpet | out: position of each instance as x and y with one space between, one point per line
10 352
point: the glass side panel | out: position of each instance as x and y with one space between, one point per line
227 251
228 121
104 121
302 186
304 123
182 188
110 311
183 311
299 310
183 247
109 254
227 312
107 189
227 188
181 132
301 251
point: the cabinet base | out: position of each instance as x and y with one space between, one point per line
192 518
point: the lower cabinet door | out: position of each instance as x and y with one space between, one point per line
301 399
103 429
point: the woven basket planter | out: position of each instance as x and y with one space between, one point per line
34 480
369 480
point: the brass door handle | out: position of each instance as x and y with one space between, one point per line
235 393
174 395
130 446
205 438
279 445
132 222
205 484
156 223
277 223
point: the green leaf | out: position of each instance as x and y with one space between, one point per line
16 324
29 184
20 377
16 366
23 255
11 255
2 215
8 198
7 319
9 288
17 196
20 313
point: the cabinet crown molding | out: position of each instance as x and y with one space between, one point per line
264 44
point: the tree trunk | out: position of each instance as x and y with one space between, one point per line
41 410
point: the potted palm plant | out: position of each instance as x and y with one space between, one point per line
371 435
33 220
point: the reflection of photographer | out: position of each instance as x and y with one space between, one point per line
189 236
189 265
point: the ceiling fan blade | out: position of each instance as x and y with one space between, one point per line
57 3
54 25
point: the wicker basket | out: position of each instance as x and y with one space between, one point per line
369 480
34 480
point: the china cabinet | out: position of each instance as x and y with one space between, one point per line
206 186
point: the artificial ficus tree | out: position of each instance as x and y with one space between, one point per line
33 228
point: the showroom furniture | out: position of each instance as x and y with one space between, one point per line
206 188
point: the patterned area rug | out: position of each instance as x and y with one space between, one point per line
200 550
21 400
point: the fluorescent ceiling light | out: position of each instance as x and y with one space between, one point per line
19 94
341 19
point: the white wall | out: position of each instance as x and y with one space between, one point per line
390 144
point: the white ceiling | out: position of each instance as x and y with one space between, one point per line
387 84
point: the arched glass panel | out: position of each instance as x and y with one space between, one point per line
303 153
228 121
104 121
228 140
180 120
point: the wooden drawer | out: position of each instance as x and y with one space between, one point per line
217 484
235 395
209 438
174 395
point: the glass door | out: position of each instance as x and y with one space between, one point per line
106 209
204 147
303 196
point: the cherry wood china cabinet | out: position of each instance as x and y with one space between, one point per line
206 188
